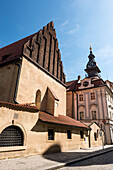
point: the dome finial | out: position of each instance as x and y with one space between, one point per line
90 48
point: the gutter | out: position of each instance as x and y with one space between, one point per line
17 82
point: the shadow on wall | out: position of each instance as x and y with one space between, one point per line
52 149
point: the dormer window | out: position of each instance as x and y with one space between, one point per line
92 96
81 97
86 83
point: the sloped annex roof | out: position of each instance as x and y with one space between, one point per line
60 120
45 117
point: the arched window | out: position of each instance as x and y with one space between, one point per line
11 136
38 99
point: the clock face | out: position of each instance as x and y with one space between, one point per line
86 83
91 64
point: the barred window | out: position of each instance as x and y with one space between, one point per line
50 134
94 115
92 96
81 115
81 97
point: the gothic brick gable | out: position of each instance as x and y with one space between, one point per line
41 47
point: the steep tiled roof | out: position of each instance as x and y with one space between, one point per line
24 107
61 120
13 51
41 49
73 85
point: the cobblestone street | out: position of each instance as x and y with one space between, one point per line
57 160
104 161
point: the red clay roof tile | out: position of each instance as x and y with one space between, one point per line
13 51
24 107
63 120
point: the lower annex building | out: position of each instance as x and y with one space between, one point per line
91 99
33 99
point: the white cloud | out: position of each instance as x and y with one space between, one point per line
64 23
73 31
105 53
105 56
63 26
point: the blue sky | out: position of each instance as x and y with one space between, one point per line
77 23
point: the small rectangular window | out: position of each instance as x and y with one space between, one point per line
81 115
81 134
95 136
50 134
81 97
94 115
92 96
68 134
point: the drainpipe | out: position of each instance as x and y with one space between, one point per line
73 116
77 105
17 81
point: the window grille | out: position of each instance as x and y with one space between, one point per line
11 136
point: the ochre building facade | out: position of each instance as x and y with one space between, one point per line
33 99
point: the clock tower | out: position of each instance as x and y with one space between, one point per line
91 67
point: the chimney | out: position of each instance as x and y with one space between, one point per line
79 78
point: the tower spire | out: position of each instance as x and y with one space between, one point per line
90 48
91 67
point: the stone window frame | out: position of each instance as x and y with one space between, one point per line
81 97
92 94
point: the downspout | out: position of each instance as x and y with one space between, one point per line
17 81
73 116
77 105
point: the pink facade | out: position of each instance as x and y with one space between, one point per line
91 99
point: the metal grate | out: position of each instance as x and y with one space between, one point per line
11 136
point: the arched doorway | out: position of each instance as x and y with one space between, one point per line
11 136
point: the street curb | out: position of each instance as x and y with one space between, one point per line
61 165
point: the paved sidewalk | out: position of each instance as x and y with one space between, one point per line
52 161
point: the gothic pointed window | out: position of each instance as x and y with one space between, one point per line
38 99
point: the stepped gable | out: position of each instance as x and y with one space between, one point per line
41 47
